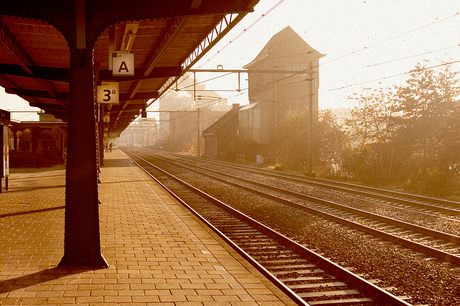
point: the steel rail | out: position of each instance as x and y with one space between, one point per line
383 194
378 294
444 256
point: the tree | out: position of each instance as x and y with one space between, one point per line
372 119
429 106
408 134
328 143
373 156
426 103
289 143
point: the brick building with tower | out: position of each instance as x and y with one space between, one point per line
283 78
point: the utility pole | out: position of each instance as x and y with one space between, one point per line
198 132
274 98
310 124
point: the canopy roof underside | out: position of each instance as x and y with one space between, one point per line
166 41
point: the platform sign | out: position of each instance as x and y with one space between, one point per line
122 64
108 93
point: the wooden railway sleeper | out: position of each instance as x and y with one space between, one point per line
316 286
340 302
307 279
257 243
331 293
244 241
300 273
293 267
287 261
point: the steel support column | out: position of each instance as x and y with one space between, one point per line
82 238
100 130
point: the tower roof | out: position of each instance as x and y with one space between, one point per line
287 41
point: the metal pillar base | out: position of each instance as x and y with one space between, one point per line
96 262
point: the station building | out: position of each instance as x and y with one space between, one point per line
40 143
283 78
221 138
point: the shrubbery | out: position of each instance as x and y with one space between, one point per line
403 137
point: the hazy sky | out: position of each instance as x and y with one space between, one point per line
363 41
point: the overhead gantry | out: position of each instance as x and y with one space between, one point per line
54 53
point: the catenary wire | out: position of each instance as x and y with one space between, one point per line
348 54
393 76
240 34
244 31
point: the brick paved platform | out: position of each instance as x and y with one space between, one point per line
158 252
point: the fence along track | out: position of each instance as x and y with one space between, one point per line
307 277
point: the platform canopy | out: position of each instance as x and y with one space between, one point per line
165 37
55 53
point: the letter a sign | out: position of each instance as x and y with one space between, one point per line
123 64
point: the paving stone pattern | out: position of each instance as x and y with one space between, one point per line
159 254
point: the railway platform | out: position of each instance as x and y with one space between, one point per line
158 252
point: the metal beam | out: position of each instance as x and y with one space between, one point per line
195 4
159 72
222 27
13 48
80 20
171 34
139 96
64 96
129 35
45 73
137 106
20 56
176 26
250 71
7 84
54 109
62 75
130 111
210 40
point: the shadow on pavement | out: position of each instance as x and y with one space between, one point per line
40 277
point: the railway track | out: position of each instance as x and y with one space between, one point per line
400 199
307 277
433 244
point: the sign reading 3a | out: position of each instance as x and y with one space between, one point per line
108 93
